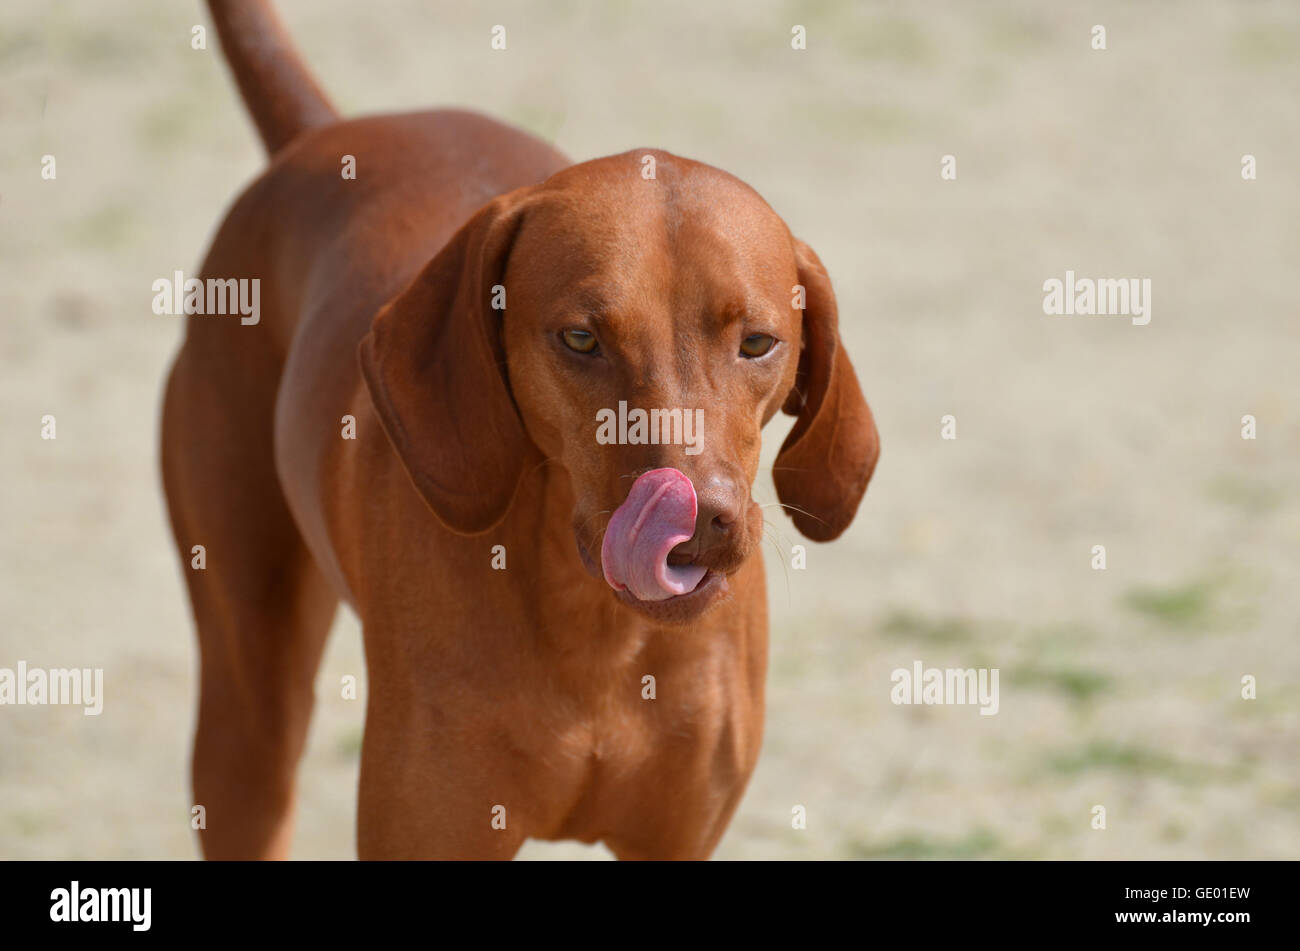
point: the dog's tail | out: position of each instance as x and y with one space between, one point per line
275 84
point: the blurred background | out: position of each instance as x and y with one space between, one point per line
1119 687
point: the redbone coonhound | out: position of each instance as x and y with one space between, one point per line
474 302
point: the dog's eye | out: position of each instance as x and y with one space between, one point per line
579 341
755 345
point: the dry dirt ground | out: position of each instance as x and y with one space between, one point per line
1119 687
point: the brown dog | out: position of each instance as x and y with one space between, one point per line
481 308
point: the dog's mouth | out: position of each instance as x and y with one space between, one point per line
710 589
640 558
659 515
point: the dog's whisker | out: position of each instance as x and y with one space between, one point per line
780 554
548 459
594 515
793 508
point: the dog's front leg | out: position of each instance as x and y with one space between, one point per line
431 789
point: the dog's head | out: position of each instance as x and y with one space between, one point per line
638 319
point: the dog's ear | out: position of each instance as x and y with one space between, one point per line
434 364
826 461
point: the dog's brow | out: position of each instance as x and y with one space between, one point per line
590 303
734 312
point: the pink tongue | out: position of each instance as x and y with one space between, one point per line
659 515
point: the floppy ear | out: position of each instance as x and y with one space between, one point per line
434 364
826 461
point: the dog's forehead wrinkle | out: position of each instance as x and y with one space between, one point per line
612 195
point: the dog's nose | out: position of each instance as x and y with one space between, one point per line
718 541
720 507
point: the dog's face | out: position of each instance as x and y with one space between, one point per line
650 326
641 331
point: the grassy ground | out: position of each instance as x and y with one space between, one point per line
1119 687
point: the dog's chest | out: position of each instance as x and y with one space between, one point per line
665 737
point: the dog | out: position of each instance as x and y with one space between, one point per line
565 636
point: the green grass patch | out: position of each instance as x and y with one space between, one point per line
29 824
1254 498
1266 45
1178 606
348 744
1127 759
907 625
1103 754
1079 684
977 844
1173 832
107 228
